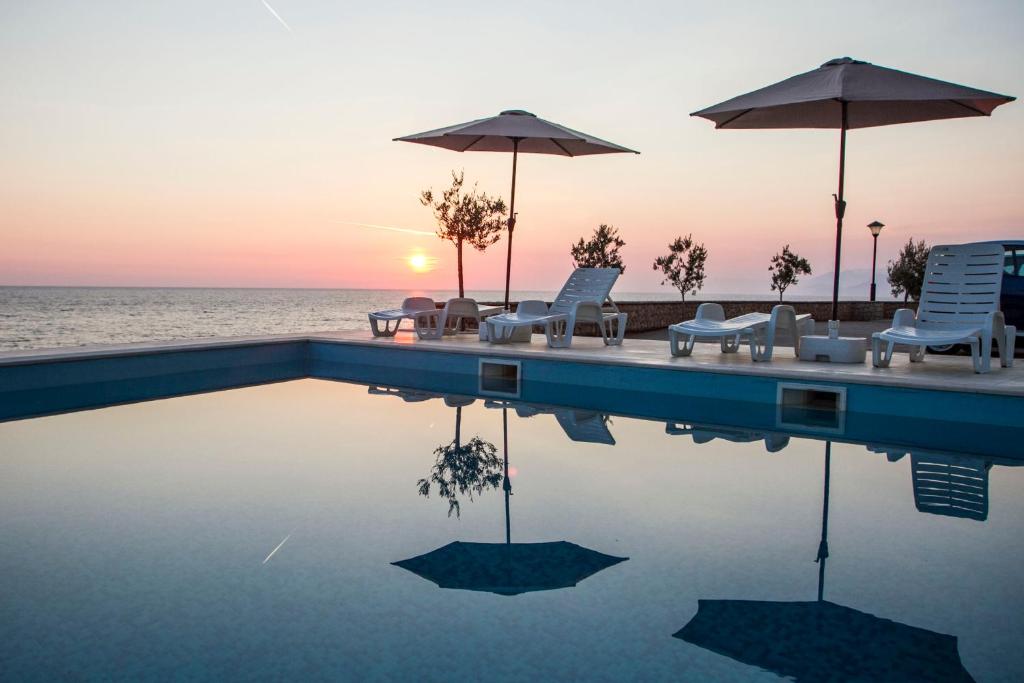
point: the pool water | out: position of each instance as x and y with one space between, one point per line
254 534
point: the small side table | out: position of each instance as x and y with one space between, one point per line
816 347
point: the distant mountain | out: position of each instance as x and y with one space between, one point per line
852 282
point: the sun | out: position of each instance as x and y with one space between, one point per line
419 263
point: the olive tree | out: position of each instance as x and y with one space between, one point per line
463 468
906 273
600 251
683 266
466 217
786 269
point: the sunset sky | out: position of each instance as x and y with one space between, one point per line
241 143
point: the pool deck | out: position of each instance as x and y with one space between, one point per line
936 373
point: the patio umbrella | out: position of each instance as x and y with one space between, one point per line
846 93
820 640
508 568
514 131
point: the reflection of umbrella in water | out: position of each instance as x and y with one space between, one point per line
820 640
509 568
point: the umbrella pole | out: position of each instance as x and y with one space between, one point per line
511 218
823 545
506 484
840 211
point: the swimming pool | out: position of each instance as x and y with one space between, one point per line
254 533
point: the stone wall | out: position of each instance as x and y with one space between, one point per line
657 315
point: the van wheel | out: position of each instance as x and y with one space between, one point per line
944 349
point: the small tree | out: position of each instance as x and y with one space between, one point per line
601 251
683 266
786 269
466 217
463 468
906 273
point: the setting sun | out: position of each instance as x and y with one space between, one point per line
420 263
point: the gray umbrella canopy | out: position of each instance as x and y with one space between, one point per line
515 131
846 93
500 134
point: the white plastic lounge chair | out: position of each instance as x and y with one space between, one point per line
756 329
959 305
581 300
773 442
410 307
437 323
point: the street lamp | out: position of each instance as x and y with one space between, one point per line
875 227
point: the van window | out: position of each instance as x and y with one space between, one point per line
1013 262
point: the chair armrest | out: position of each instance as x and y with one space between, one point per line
905 317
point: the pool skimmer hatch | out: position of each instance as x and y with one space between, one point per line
500 377
815 407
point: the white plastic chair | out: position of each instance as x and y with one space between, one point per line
959 305
410 308
581 300
437 323
756 329
773 442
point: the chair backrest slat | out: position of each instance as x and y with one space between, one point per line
585 284
962 284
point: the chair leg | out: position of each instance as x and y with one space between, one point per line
880 358
762 343
675 349
1008 346
614 330
430 325
730 344
559 333
981 353
388 331
917 354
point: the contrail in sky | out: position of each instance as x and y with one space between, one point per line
408 231
276 15
277 548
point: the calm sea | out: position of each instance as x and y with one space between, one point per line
46 317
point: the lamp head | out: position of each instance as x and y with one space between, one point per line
875 227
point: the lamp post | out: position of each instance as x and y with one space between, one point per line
875 227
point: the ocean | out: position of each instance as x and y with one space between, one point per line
48 317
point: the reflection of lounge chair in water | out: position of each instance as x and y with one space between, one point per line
944 483
417 396
584 426
773 442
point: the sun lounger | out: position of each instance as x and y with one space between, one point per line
773 442
581 301
756 329
410 308
437 323
959 305
584 426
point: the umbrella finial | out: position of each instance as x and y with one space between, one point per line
517 112
839 61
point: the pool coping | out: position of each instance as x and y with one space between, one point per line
937 373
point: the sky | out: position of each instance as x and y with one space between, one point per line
249 142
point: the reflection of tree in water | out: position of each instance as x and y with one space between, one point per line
463 468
